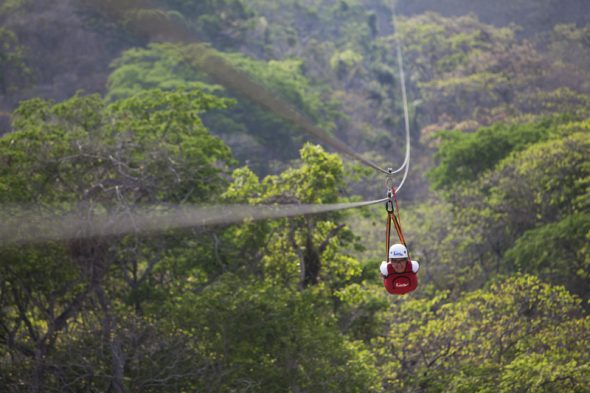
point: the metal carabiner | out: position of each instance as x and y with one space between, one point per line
389 203
389 185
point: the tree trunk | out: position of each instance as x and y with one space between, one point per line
117 356
311 260
39 368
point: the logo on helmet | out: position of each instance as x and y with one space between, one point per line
398 251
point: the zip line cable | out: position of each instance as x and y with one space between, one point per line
402 77
23 226
26 227
227 75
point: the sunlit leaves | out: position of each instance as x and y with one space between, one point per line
300 244
471 343
81 148
544 182
168 67
557 251
503 182
160 66
465 156
83 153
343 63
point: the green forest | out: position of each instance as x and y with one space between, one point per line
113 110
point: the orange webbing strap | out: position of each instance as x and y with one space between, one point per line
398 229
389 208
392 217
397 219
387 235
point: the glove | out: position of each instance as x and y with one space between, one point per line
383 269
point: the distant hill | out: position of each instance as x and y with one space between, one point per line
533 15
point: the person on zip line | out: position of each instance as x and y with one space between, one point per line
399 273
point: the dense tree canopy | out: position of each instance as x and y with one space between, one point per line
510 336
246 126
115 110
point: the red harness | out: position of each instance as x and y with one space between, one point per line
400 283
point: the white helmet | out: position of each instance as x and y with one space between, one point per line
398 251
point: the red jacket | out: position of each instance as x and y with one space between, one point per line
400 283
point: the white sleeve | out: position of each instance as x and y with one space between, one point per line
383 268
415 266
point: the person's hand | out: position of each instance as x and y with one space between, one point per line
383 269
